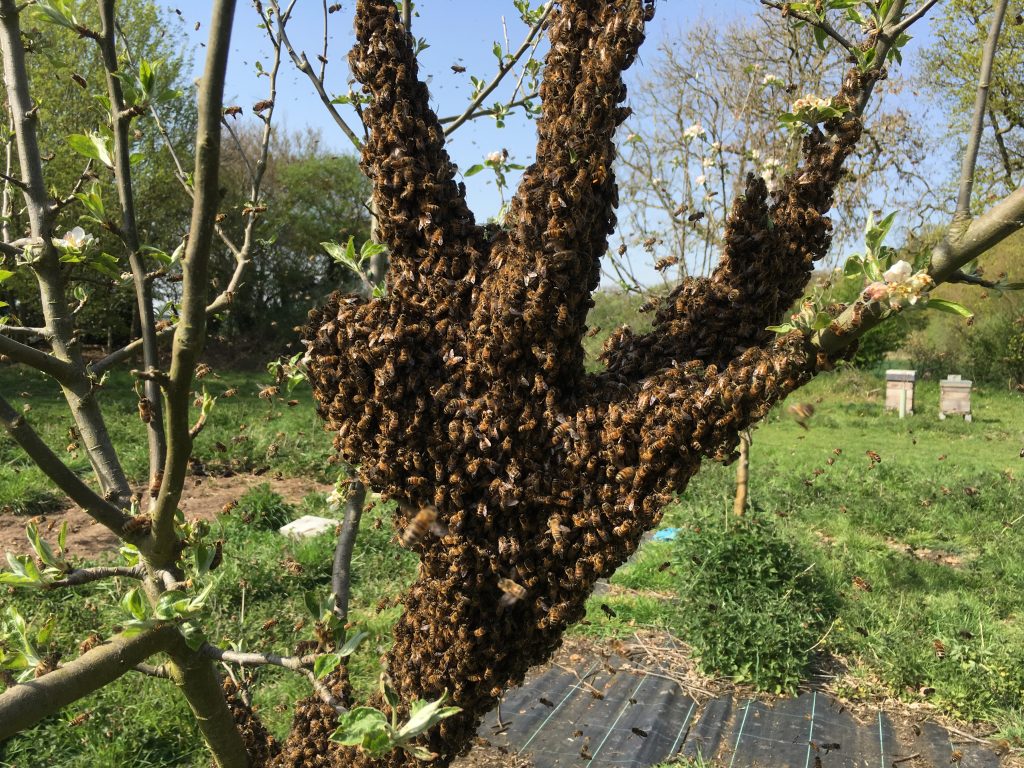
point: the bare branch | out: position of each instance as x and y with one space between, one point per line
970 158
407 15
25 704
921 10
503 70
300 664
121 122
821 24
341 573
60 370
152 671
303 65
190 334
95 505
81 576
490 110
962 277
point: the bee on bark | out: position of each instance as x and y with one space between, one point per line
563 314
513 592
425 520
140 524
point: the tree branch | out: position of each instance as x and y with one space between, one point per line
303 65
81 576
970 158
341 573
61 371
503 70
821 24
904 25
25 704
190 334
120 122
300 664
95 505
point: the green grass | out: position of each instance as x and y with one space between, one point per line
947 486
952 487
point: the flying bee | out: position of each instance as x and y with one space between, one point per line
269 624
801 412
268 393
226 509
230 392
80 718
513 592
425 520
873 455
593 331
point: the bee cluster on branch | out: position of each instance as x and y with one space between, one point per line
462 394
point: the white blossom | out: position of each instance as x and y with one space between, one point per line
701 179
74 240
899 272
695 131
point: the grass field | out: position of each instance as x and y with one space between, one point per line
908 573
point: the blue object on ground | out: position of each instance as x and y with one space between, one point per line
666 534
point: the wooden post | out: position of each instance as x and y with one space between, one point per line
739 504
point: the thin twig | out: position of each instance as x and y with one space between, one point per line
910 19
821 24
503 70
970 159
152 671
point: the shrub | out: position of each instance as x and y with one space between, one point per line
753 608
264 509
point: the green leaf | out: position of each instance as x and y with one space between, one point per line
419 752
309 599
784 328
92 145
193 634
952 307
56 12
424 715
473 170
352 643
325 664
134 603
4 274
364 727
41 548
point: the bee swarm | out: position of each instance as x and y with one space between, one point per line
464 389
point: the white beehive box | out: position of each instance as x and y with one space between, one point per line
898 382
307 526
955 397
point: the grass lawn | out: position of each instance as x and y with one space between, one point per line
908 571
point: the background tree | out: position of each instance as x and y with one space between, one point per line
705 114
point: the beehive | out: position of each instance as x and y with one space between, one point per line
955 397
898 382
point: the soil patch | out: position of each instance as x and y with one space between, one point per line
204 497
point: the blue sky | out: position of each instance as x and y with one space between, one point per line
459 32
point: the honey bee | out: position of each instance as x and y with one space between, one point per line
557 529
269 624
624 475
231 392
513 592
956 757
139 525
80 718
873 455
268 393
226 509
145 410
861 583
425 520
801 412
89 643
560 431
940 649
563 314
